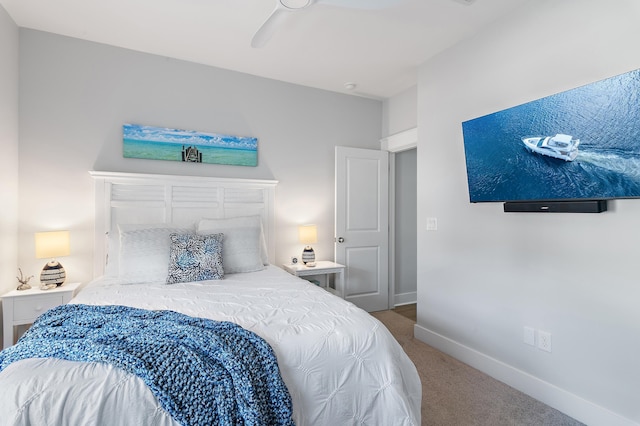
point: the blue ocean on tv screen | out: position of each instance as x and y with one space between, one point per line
605 116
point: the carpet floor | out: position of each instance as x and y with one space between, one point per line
456 394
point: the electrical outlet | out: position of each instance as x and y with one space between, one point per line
544 340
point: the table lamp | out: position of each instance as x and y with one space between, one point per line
50 245
308 234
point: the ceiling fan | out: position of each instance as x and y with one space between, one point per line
284 9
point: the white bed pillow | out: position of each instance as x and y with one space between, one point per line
243 247
144 252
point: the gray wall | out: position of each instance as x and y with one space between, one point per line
399 113
9 157
406 268
484 275
75 96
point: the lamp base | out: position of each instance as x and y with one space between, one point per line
52 274
309 257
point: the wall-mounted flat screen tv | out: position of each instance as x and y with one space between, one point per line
582 144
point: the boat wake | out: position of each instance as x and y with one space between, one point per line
629 166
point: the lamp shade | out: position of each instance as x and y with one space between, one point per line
52 244
308 234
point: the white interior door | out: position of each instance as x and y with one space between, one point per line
362 225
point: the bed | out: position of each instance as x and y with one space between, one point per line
340 365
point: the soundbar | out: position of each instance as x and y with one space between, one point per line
582 206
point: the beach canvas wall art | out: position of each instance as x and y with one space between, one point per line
158 143
580 144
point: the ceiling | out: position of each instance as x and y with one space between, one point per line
323 46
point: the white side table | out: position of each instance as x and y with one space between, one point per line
24 306
323 267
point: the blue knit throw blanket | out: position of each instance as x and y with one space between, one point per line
203 372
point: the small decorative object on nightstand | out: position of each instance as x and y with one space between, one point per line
323 267
24 282
308 235
23 307
50 245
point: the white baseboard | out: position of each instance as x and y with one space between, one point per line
560 399
405 298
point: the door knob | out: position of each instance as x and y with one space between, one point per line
340 240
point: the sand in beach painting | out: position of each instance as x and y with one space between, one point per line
157 143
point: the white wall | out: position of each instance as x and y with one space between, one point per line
400 112
484 274
9 157
75 96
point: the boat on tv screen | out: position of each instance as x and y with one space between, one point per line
582 144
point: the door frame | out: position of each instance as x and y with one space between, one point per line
398 142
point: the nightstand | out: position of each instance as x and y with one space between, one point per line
323 267
24 306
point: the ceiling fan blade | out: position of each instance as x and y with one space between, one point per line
284 8
270 26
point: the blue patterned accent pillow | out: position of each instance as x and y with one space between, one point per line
195 258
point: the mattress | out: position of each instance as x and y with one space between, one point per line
341 365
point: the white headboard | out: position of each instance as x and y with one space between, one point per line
145 198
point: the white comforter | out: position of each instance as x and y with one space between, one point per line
341 365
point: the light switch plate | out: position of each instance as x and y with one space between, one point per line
529 336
